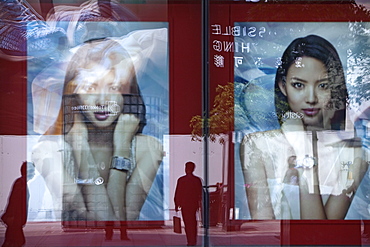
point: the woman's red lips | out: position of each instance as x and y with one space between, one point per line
101 116
311 111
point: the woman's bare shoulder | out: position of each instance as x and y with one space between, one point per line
148 143
49 143
146 139
49 146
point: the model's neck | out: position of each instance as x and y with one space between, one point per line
100 135
314 128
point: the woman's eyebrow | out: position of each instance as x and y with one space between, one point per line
323 79
302 80
89 83
297 79
114 82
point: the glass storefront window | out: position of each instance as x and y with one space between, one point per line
106 106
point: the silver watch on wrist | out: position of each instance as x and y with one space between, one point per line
307 162
121 163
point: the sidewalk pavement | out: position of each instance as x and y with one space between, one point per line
258 233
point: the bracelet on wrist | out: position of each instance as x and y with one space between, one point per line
121 163
89 181
124 164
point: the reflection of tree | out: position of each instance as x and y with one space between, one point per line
241 107
358 63
221 117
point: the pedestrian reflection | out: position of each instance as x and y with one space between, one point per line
188 196
15 216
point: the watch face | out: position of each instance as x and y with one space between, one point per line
121 163
308 162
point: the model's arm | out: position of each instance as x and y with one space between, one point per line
126 128
255 178
337 205
311 205
149 154
87 169
51 158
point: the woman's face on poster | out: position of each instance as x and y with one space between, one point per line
100 91
307 91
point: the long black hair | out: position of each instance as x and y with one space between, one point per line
319 48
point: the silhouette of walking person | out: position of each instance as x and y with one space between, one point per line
15 216
188 196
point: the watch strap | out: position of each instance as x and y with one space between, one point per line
121 163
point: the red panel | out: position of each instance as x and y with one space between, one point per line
324 232
13 100
185 65
149 12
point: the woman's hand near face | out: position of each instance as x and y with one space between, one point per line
84 199
254 166
126 128
77 137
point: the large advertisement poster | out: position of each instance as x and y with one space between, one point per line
98 114
301 120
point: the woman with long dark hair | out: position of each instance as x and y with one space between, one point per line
304 170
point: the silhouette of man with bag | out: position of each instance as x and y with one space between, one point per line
188 197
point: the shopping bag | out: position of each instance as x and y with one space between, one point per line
177 224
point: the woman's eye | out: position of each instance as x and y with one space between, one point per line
114 88
90 88
323 85
297 85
